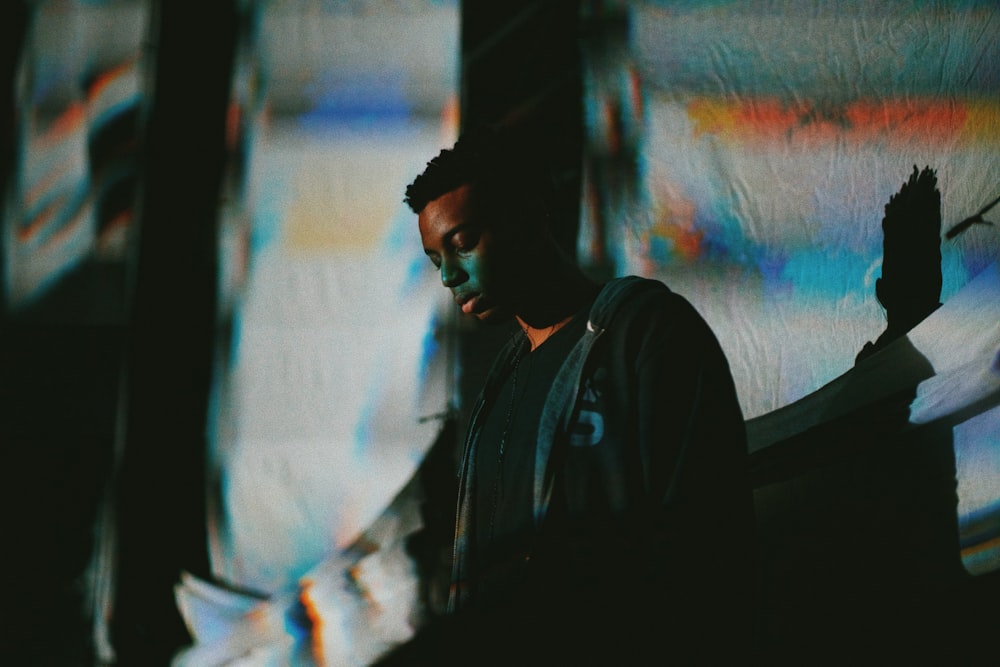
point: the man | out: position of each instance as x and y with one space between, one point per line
604 511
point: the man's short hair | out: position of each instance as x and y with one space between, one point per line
502 167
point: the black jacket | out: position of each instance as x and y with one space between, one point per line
643 547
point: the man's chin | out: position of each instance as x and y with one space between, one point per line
493 316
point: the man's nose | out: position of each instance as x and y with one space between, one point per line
452 274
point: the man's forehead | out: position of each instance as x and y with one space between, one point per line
446 213
471 194
464 202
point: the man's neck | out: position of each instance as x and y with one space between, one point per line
537 336
554 304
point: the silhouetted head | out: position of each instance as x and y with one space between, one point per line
482 210
505 170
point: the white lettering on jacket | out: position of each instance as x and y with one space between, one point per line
589 428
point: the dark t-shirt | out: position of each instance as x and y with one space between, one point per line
504 485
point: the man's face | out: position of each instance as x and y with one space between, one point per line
477 257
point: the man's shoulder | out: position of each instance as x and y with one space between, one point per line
626 296
645 307
641 282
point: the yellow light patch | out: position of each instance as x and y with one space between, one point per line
337 210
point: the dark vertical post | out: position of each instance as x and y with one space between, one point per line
520 65
160 500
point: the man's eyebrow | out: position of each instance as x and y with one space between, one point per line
447 236
460 227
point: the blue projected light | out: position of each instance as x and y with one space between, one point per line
358 98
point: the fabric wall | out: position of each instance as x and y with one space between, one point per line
336 379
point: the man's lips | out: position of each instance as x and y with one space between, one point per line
467 302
